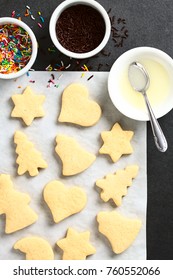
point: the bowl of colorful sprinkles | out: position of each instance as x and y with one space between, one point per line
18 48
80 28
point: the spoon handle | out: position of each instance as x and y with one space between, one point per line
159 137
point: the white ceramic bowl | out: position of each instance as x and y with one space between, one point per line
9 20
63 6
117 84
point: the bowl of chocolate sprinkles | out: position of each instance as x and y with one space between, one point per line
80 28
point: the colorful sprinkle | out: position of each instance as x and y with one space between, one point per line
60 77
39 24
84 67
51 81
82 75
15 48
32 17
68 66
42 19
13 13
27 13
51 50
49 68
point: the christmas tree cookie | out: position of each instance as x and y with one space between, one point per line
75 245
116 142
75 159
28 106
14 205
35 248
119 230
29 159
114 186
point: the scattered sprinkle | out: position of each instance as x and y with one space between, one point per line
32 17
57 86
13 13
27 13
119 31
103 52
39 24
32 81
82 75
84 67
109 11
28 74
60 77
51 50
90 77
39 13
99 66
51 81
19 87
42 19
48 68
28 7
68 66
53 76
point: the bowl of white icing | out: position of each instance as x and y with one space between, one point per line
129 102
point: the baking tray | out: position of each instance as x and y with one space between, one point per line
43 132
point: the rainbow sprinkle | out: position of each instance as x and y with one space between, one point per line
15 48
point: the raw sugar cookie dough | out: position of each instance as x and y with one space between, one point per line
116 142
35 248
29 159
77 108
14 205
75 245
75 159
28 106
119 230
114 186
64 201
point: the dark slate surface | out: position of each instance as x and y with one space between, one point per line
149 23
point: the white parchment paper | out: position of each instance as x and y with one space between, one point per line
43 132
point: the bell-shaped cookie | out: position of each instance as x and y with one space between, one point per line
75 159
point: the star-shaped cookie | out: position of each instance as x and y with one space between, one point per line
76 245
28 106
116 142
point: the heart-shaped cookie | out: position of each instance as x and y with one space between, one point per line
77 108
63 201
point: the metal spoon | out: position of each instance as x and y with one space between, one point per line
141 83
